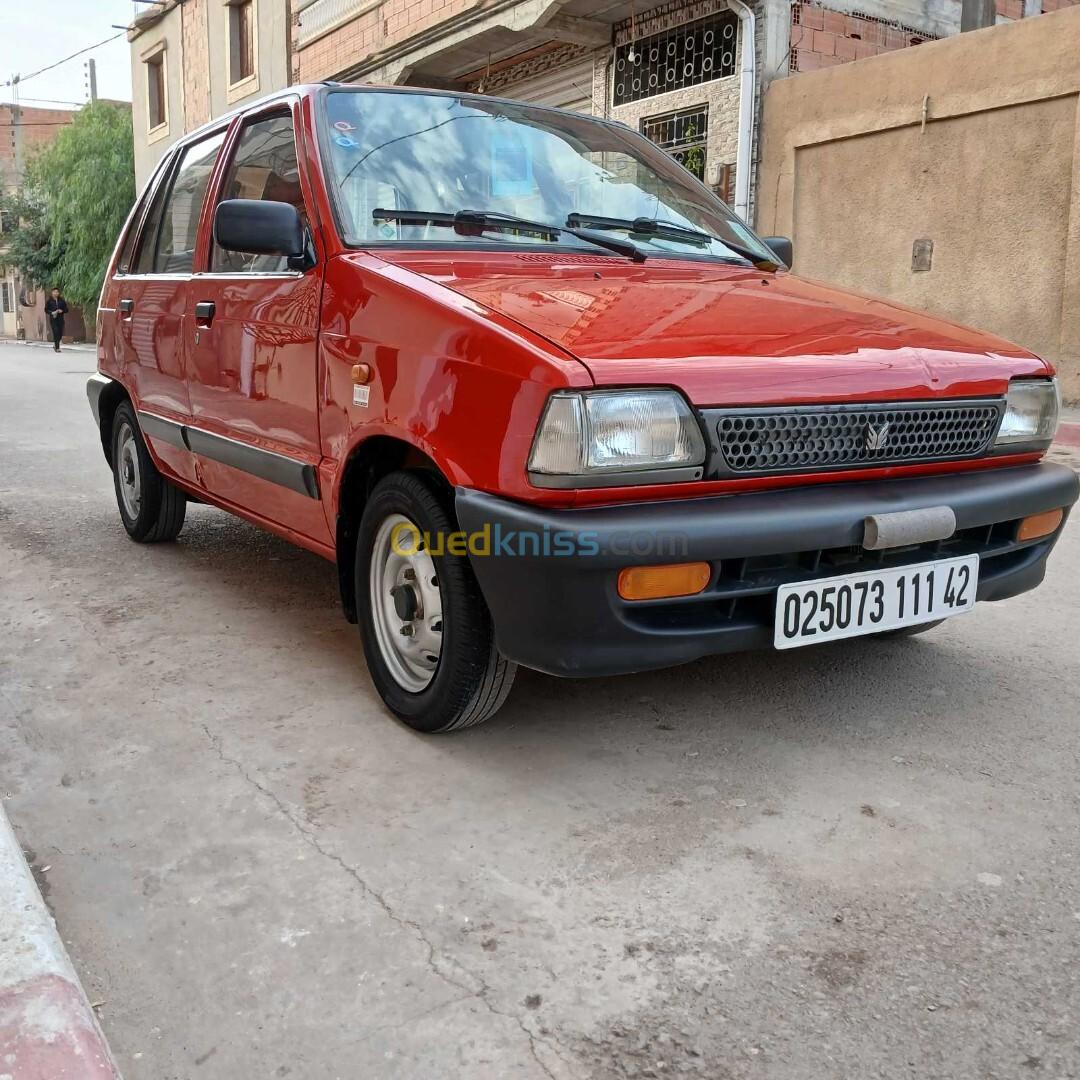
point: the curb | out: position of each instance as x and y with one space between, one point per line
48 1030
1068 433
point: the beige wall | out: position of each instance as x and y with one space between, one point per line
149 146
196 35
849 170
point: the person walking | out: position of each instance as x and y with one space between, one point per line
56 308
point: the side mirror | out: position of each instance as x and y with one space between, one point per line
263 227
781 247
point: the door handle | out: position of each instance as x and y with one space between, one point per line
204 313
127 306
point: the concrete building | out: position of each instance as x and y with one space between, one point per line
192 60
977 217
687 73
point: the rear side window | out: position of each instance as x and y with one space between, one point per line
264 166
172 223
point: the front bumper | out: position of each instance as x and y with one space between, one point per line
550 577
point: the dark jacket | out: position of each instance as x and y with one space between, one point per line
59 304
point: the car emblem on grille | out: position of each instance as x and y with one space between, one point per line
877 437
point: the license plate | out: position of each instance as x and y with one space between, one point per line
867 603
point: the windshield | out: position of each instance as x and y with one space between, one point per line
442 154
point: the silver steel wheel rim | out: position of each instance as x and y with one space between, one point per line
406 603
127 465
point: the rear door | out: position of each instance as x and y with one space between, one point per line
253 370
152 301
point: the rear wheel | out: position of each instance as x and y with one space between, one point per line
428 636
151 508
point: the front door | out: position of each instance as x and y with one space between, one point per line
253 367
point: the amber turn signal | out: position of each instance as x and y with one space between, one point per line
656 582
1031 528
361 373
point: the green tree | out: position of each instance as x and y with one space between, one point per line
25 243
77 192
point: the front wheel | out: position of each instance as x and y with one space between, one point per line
428 636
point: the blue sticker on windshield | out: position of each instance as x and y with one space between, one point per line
347 142
511 163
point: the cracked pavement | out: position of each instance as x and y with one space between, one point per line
847 862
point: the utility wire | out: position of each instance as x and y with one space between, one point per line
41 71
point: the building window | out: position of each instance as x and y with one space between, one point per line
156 112
684 56
5 288
241 41
682 134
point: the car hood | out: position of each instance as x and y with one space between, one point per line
725 334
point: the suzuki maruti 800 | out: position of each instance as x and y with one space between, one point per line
544 400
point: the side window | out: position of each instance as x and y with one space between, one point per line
172 223
263 167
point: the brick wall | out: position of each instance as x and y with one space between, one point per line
1057 5
822 38
36 128
193 35
373 30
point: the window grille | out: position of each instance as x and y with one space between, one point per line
683 56
682 134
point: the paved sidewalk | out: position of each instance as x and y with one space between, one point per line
47 1027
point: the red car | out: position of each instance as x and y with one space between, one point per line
545 400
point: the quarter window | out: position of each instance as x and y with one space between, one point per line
263 167
172 225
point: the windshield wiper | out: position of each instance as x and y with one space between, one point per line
644 226
464 220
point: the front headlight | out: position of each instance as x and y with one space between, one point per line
606 437
1031 415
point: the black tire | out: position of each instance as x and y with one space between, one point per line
471 680
158 512
909 631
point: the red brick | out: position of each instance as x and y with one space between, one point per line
845 48
824 43
799 35
813 17
835 23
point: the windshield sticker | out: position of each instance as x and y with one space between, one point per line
344 125
347 142
511 164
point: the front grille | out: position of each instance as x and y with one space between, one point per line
806 439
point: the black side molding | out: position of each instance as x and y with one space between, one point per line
279 469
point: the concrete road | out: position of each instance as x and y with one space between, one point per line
861 861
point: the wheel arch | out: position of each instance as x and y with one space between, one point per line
367 464
111 398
